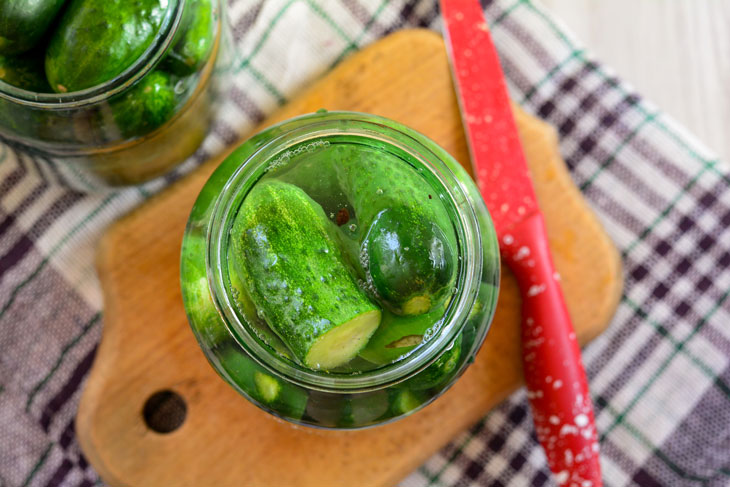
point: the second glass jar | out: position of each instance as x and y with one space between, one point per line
144 121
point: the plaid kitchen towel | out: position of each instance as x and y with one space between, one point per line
659 375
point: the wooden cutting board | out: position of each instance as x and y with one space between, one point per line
147 345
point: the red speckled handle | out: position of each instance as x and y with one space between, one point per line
556 382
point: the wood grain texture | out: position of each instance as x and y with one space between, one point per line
147 344
676 53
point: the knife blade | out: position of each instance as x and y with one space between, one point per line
557 388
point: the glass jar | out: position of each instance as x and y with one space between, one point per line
277 384
107 129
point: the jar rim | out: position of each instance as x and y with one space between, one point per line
137 70
463 216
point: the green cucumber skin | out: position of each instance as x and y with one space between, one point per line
199 305
362 178
409 257
439 372
147 106
97 40
406 401
393 328
285 255
25 72
193 44
24 22
291 400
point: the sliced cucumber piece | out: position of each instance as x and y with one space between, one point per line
399 335
341 344
267 387
286 257
281 397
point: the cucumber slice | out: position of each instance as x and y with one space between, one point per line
399 335
285 255
281 397
341 344
267 387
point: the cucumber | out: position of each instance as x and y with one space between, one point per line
97 40
399 335
148 105
351 411
199 305
287 258
25 72
439 372
408 275
203 314
280 396
245 306
23 23
404 401
366 408
192 45
410 262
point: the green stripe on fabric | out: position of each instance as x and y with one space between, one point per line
577 53
620 418
245 62
657 121
54 250
639 436
325 16
498 20
38 465
64 351
666 334
358 40
280 99
683 191
629 137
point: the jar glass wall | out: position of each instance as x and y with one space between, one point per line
236 340
141 123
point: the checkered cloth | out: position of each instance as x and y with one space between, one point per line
659 376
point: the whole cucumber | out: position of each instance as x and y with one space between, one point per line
194 40
286 256
23 23
97 40
407 242
146 106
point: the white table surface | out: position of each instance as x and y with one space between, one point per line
676 53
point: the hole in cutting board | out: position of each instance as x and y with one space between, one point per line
164 411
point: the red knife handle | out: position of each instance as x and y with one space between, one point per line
556 382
